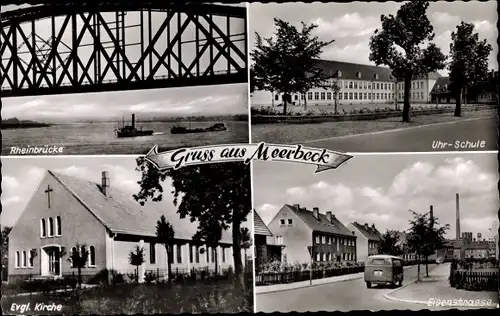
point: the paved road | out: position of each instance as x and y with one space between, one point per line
340 296
418 139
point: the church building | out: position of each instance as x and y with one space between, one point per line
66 211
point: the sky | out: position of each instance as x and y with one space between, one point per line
352 24
205 100
365 189
21 177
200 100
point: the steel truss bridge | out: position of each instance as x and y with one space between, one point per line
79 48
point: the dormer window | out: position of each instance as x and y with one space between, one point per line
339 74
358 75
375 76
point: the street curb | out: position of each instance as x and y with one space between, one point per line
388 296
394 130
307 286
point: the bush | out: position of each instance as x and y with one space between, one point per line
102 277
149 277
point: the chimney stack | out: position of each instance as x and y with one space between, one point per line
316 213
297 206
479 236
105 183
133 120
431 215
458 215
329 216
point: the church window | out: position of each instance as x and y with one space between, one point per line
17 259
73 254
92 256
197 254
31 257
24 258
51 227
58 226
213 254
191 254
179 253
207 251
223 250
83 251
43 228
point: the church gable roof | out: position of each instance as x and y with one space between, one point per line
120 213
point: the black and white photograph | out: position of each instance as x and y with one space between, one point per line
381 232
369 76
120 80
109 235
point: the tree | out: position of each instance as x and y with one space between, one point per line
390 244
136 258
425 237
211 234
78 258
469 62
397 45
288 64
334 87
5 246
165 234
216 195
246 241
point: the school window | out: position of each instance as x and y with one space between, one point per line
378 96
43 231
355 95
328 95
316 95
309 96
366 96
355 85
276 97
58 226
392 96
385 86
179 254
327 257
152 253
413 85
197 255
322 95
369 86
361 95
386 94
92 256
369 95
282 221
412 96
51 227
321 257
17 259
340 95
364 85
421 95
343 256
350 95
350 84
317 239
345 95
378 86
302 97
290 221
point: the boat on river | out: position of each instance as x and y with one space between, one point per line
217 127
131 130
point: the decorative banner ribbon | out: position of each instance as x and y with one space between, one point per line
325 159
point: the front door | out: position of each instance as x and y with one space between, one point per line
54 261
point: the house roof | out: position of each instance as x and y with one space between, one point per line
477 245
441 85
351 71
369 232
321 225
121 214
259 227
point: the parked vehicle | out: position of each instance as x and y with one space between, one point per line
384 269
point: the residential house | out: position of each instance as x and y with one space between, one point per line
476 249
65 211
359 84
407 254
310 235
268 247
367 241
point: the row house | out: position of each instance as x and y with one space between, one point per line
309 234
368 239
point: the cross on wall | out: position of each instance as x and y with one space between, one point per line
48 191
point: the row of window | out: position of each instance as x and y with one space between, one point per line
364 85
194 254
283 222
329 240
414 85
351 96
24 259
328 256
372 245
50 232
413 96
90 259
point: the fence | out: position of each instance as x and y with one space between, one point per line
304 275
474 280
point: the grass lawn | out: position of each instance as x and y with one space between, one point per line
202 297
296 133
